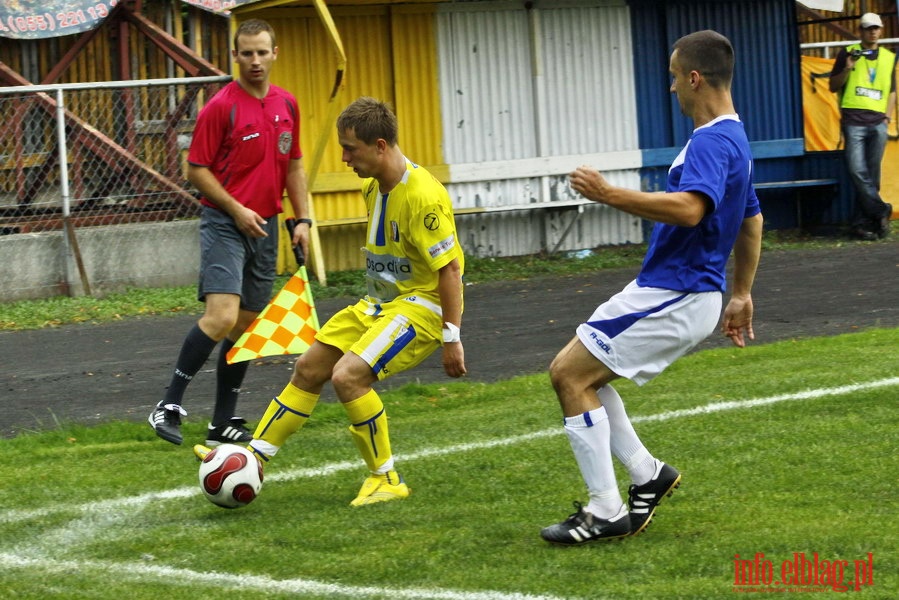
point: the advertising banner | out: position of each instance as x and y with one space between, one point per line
35 19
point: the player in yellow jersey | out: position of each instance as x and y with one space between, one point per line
414 267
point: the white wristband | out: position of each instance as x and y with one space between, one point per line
450 333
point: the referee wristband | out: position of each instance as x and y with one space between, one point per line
450 333
306 221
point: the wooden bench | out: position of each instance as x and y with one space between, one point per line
800 185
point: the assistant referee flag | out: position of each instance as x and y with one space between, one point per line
286 326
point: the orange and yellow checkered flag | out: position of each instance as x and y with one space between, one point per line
286 326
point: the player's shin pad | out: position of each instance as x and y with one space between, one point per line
285 415
373 441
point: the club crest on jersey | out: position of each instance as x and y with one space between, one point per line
284 142
431 221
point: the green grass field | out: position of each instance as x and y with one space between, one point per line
785 448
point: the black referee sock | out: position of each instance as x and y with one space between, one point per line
228 378
195 350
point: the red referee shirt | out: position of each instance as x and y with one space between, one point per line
248 143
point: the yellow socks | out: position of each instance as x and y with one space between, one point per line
286 414
369 430
290 410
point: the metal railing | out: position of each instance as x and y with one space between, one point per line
827 46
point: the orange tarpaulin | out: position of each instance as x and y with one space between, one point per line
819 105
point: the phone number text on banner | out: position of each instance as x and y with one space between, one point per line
33 19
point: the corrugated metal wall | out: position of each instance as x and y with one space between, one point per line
520 84
486 87
477 82
766 86
390 54
416 83
587 89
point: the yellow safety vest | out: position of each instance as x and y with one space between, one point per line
868 84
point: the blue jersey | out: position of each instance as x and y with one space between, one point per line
717 163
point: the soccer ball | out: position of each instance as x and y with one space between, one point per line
230 476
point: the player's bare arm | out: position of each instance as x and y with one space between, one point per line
449 287
685 209
297 194
248 221
737 320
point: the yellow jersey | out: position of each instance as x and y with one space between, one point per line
411 235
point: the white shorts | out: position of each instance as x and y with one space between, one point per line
639 331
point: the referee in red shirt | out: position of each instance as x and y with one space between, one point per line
245 153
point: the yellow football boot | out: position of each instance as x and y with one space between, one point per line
382 488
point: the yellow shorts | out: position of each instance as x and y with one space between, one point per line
391 337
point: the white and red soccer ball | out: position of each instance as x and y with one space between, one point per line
230 476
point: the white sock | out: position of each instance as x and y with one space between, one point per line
386 467
588 434
624 443
264 448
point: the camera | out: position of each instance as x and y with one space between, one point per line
858 53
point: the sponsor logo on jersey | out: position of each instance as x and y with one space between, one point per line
442 246
603 346
431 221
385 266
247 138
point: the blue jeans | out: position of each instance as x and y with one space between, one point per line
864 153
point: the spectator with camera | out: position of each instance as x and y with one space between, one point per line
864 76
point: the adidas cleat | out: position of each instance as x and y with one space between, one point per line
232 432
166 422
642 500
582 527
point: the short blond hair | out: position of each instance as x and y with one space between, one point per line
370 120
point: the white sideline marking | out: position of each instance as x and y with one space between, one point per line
737 404
148 572
93 514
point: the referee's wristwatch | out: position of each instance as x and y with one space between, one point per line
306 221
450 333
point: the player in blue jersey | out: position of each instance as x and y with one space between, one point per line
709 209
